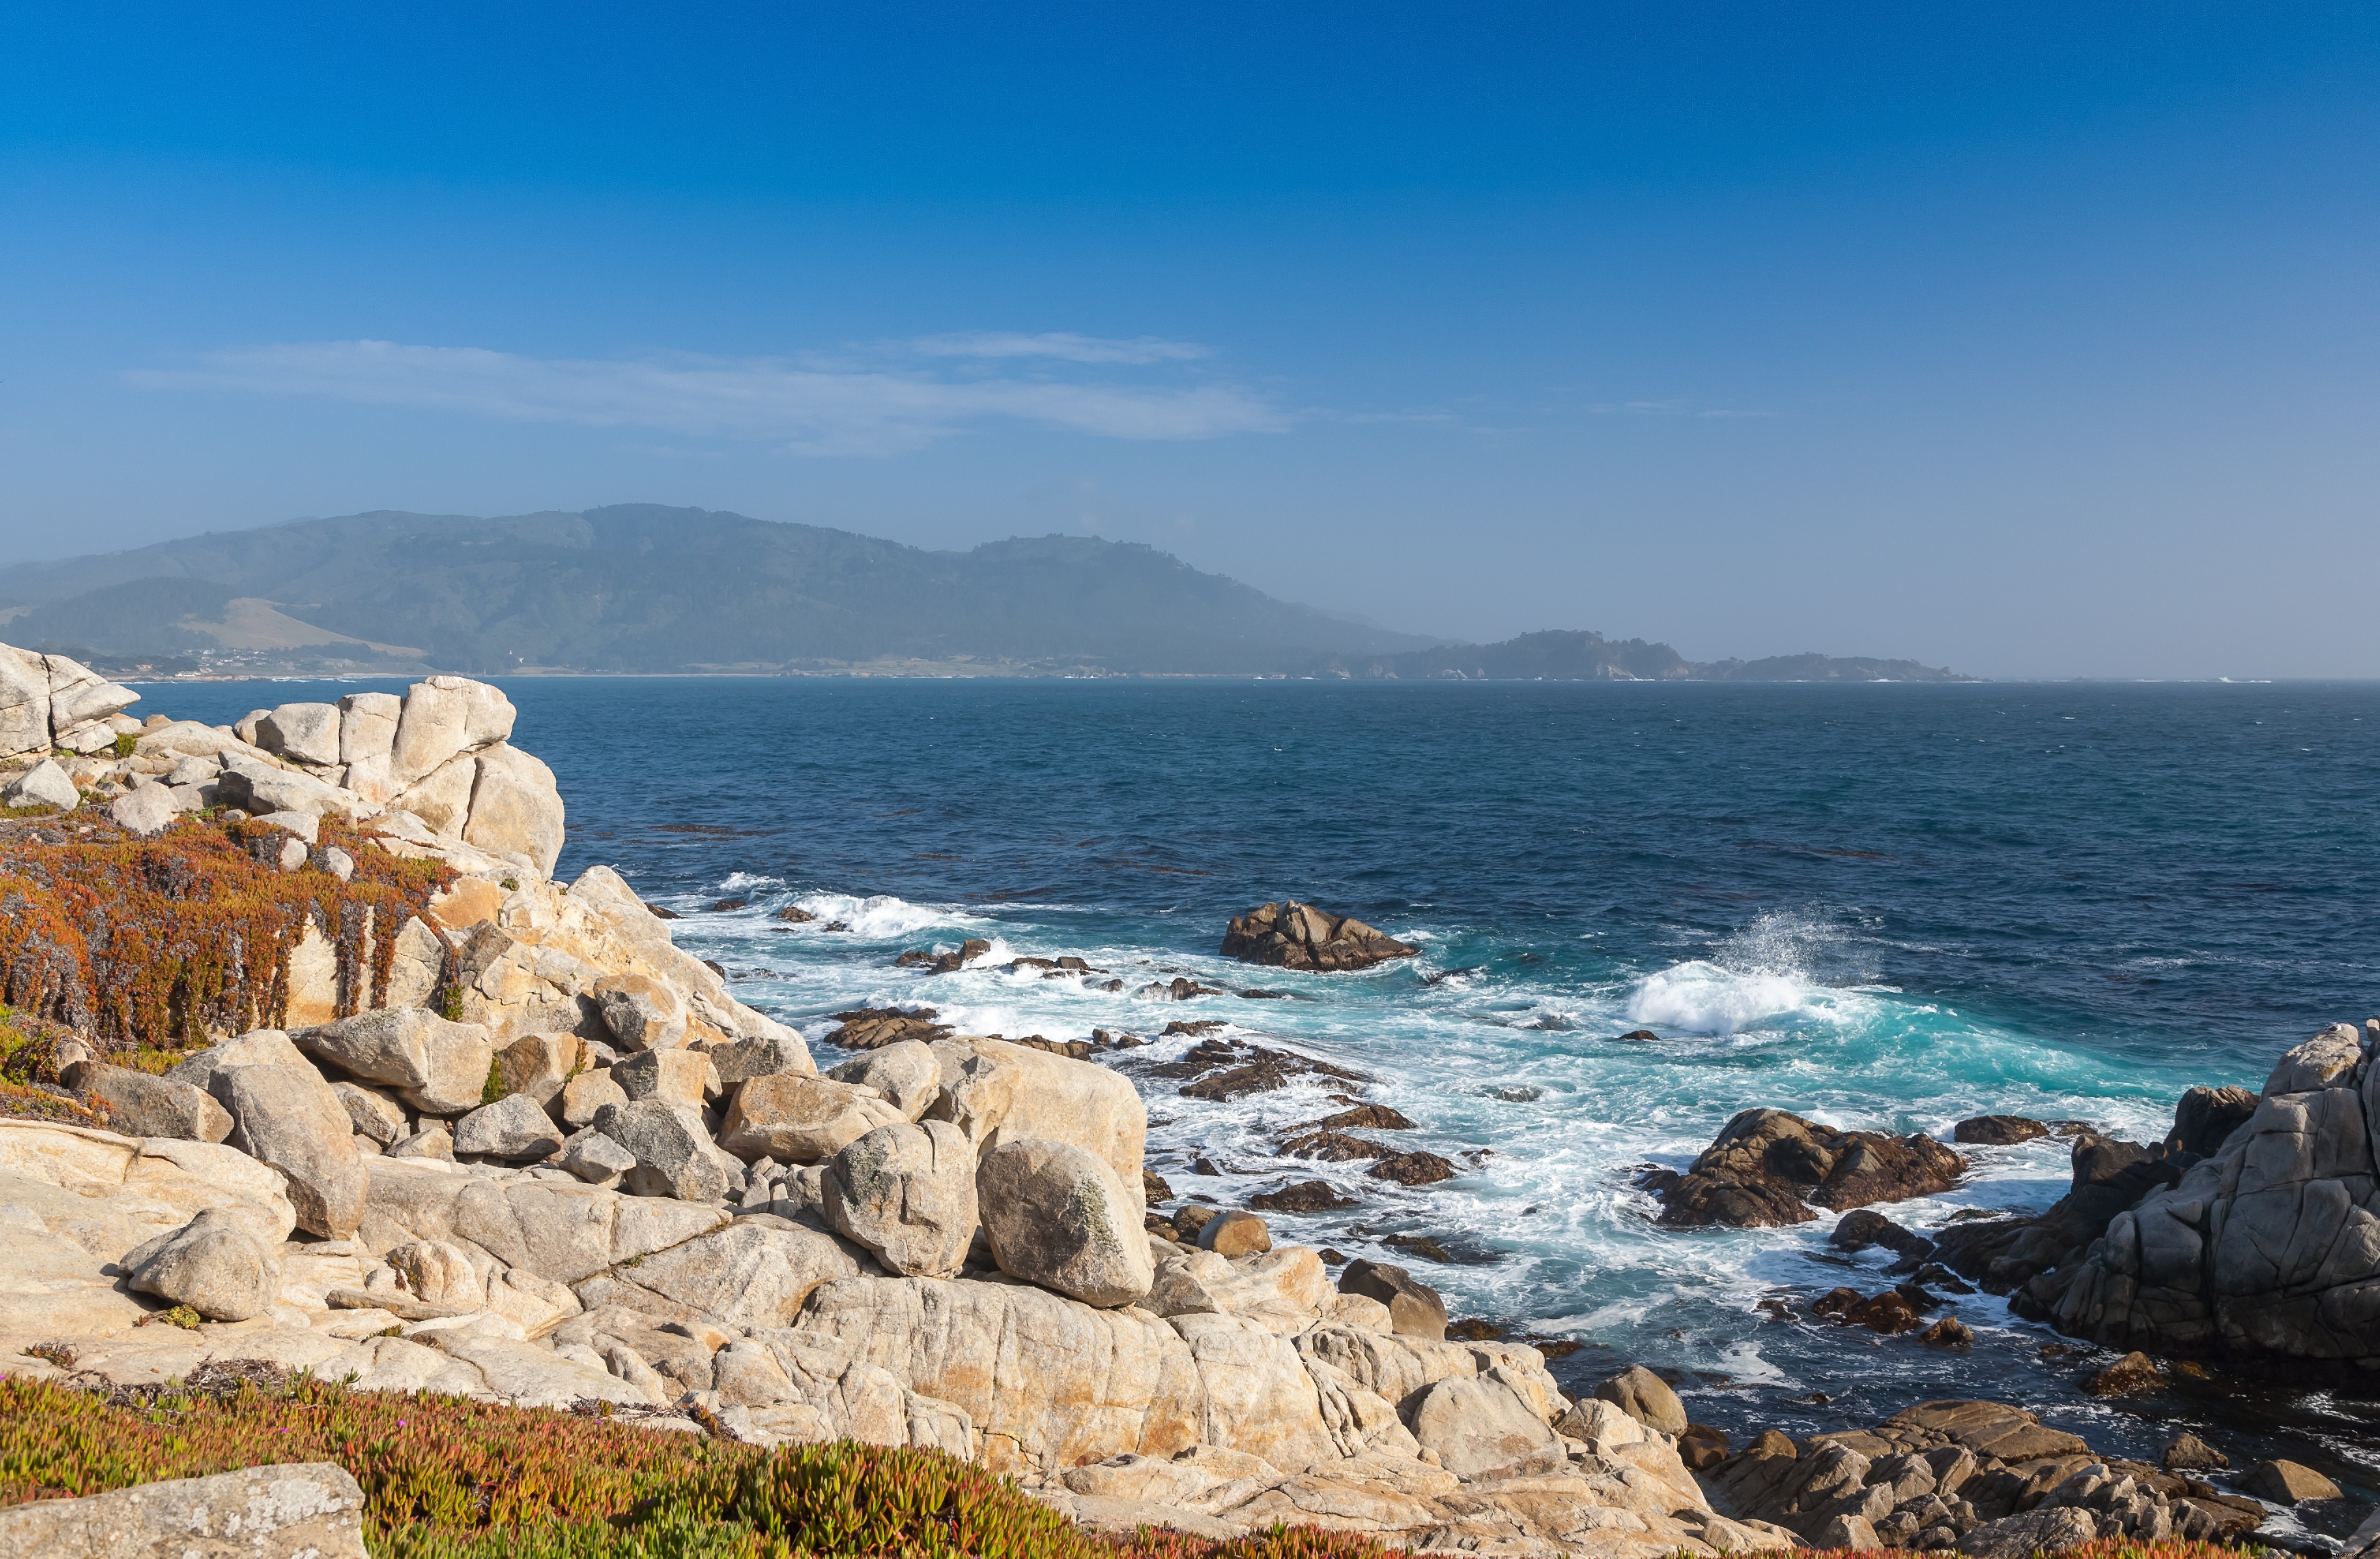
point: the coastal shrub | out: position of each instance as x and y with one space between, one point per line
449 1478
150 944
125 742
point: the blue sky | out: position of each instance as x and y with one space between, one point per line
2037 340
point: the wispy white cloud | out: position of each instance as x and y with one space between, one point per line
807 408
1061 345
1668 408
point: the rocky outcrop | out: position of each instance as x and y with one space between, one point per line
289 1510
2004 1254
1300 936
1057 1216
1769 1166
524 1284
908 1194
215 1264
50 701
1977 1476
544 1156
2271 1246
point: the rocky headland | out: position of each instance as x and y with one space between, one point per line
315 1068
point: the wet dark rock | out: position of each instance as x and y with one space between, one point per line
1861 1229
1476 1329
1331 1147
1371 1117
1703 1448
873 1028
1944 1473
1889 1312
1078 1049
660 914
1202 1165
1196 1027
1638 1036
1413 1169
793 915
1426 1247
1767 1166
1515 1093
1333 1258
1948 1333
1153 1186
2133 1372
1996 1130
724 905
943 963
1300 936
2288 1484
2206 1116
1414 1307
1934 1275
2184 1452
1306 1196
1227 1069
2109 1178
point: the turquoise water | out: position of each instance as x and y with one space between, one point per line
1883 907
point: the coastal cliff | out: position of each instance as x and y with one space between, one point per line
401 1110
318 1069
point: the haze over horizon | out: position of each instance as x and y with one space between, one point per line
2035 343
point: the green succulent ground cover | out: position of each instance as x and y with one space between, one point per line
447 1478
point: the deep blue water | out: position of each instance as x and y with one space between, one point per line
1883 905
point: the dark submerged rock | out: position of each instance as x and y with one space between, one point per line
1306 1196
1996 1130
1300 936
1767 1166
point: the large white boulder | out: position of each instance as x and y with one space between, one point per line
368 727
214 1263
45 785
566 1233
115 1192
1047 1382
79 697
441 717
24 702
756 1271
906 1193
287 1508
308 733
676 1157
287 1117
998 1092
515 806
796 1118
438 1066
1055 1215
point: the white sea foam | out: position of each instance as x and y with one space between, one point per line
882 916
1697 997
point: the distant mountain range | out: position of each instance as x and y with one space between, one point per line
639 588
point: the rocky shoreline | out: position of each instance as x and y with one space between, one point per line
501 1136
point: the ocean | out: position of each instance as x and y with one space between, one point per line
1880 906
